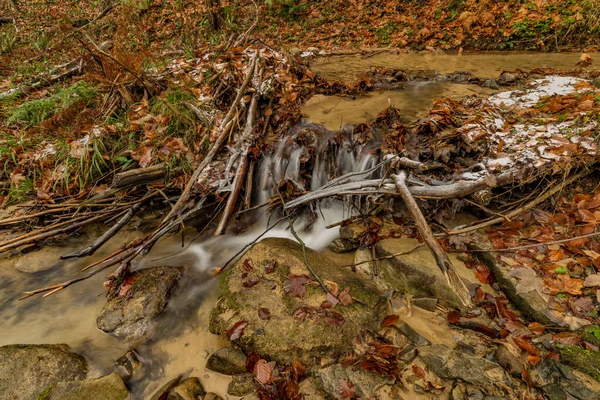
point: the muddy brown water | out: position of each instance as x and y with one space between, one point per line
182 342
415 99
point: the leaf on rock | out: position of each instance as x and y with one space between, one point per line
567 338
524 344
264 314
263 372
536 328
270 267
250 282
346 388
390 320
345 297
295 285
248 266
237 330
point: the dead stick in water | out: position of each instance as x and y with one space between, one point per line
91 249
454 280
248 189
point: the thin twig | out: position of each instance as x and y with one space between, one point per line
402 253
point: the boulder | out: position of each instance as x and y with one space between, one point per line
366 383
452 364
275 309
109 387
131 316
26 370
558 381
227 361
509 361
416 272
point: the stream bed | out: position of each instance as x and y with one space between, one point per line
182 342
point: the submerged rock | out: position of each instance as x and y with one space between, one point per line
270 304
188 389
227 361
129 366
130 316
26 370
109 387
340 245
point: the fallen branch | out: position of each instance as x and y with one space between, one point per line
522 209
138 176
454 280
91 249
402 253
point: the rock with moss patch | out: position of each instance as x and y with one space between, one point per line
264 309
109 387
27 370
587 361
558 382
131 315
241 385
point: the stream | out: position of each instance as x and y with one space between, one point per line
182 342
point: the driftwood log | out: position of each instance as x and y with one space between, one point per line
140 176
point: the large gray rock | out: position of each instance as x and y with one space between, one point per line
26 370
416 272
559 382
109 387
366 383
227 361
241 385
290 327
131 316
452 364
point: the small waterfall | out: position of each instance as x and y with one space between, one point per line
310 156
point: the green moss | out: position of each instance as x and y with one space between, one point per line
45 395
587 361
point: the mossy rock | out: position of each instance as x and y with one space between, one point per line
26 370
109 387
284 337
587 361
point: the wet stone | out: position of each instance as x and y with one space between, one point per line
426 303
212 396
411 334
509 361
408 354
451 364
241 385
508 78
109 387
129 366
297 327
27 370
340 245
188 389
227 361
366 383
132 315
558 381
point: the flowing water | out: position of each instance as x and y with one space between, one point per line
182 343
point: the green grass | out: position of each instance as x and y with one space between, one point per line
33 112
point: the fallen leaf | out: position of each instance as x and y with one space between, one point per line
524 344
237 330
346 388
592 281
345 297
270 267
264 314
390 320
247 265
567 338
536 328
295 285
250 282
262 372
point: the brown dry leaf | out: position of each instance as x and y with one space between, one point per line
390 320
345 297
264 314
237 330
346 388
524 344
263 372
536 328
295 285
